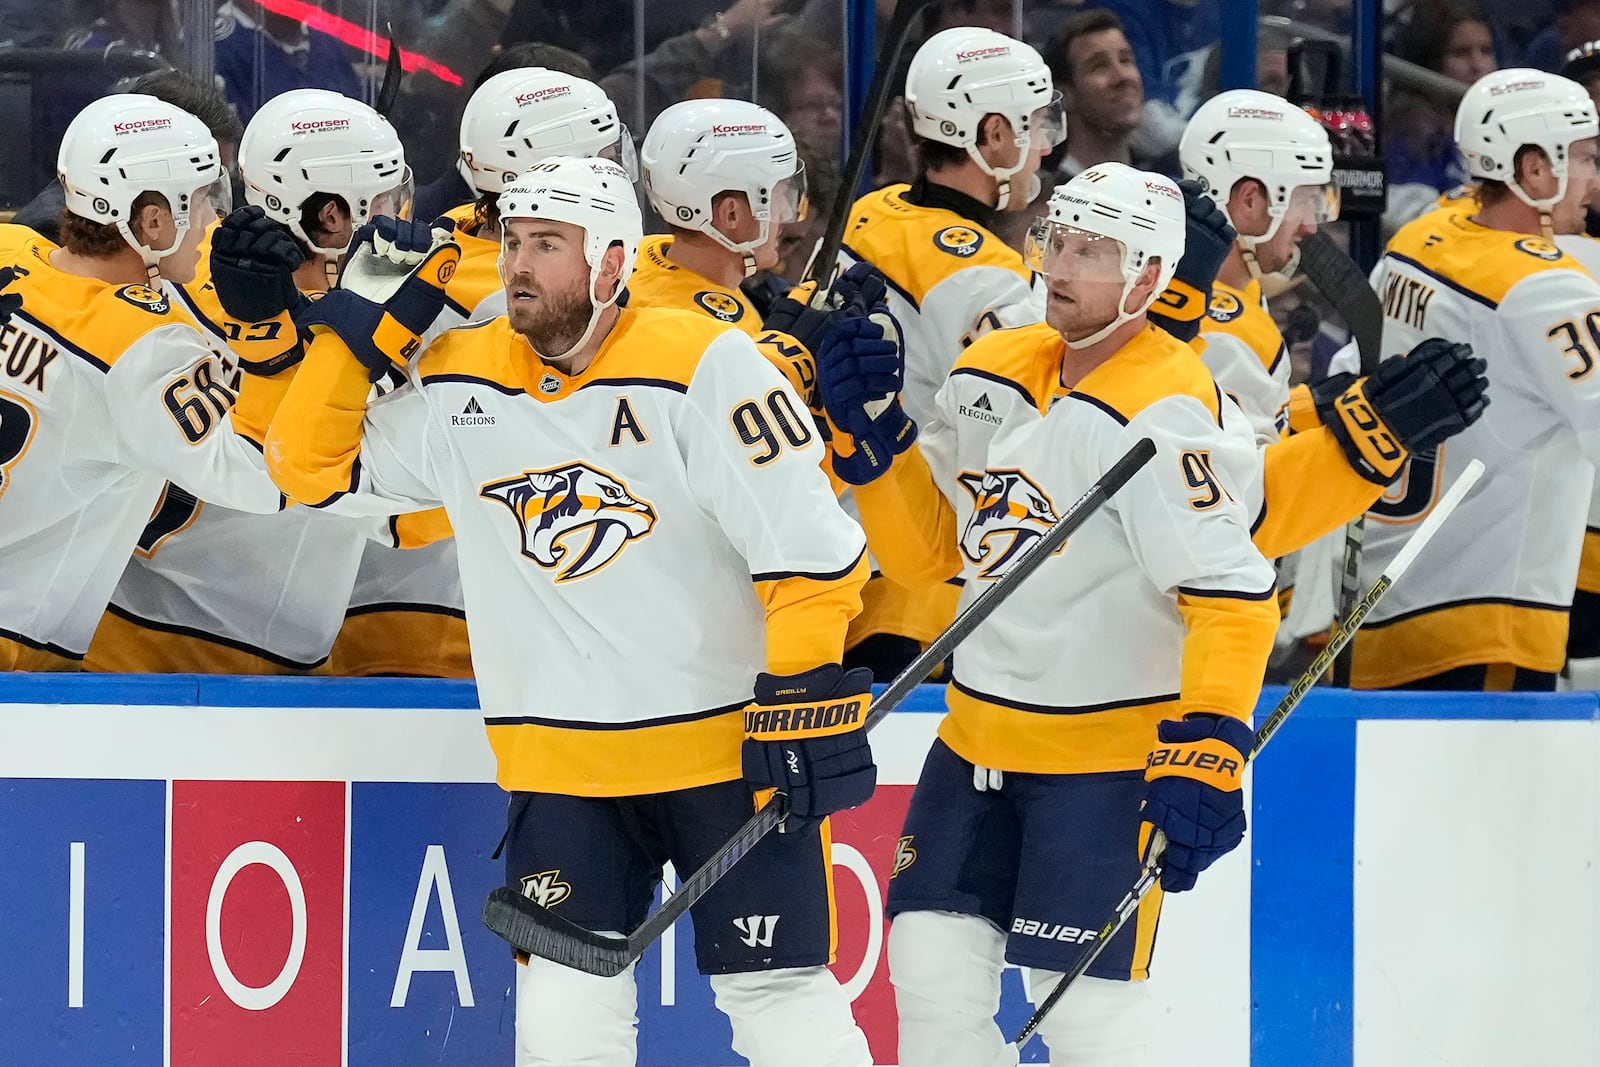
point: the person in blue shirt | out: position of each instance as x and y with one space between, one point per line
261 54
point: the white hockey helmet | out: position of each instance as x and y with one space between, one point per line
1245 133
1140 210
595 194
122 146
519 117
960 75
1507 109
699 149
309 141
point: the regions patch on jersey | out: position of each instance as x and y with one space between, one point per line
1225 307
142 296
1539 248
720 305
961 241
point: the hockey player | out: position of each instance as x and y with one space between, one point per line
410 584
109 388
728 177
1493 614
1142 644
316 165
645 540
983 113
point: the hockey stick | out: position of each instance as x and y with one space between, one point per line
1342 636
1342 284
865 139
537 931
393 72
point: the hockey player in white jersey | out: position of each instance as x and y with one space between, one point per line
1113 690
1495 615
646 540
109 389
1491 611
983 114
316 165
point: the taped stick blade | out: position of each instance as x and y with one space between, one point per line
539 932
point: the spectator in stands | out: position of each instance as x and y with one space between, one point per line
205 102
1576 22
122 25
802 82
433 123
1453 38
261 53
1098 75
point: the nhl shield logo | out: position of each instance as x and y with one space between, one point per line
961 241
720 306
575 519
1009 512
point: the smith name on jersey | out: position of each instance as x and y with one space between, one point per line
1159 606
636 542
107 392
1496 586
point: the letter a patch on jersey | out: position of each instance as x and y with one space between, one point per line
574 518
626 423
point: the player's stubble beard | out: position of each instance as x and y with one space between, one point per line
556 320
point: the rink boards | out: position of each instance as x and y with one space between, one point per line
254 872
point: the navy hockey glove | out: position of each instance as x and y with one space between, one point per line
855 292
1195 794
804 738
390 291
10 303
1407 405
1207 240
860 371
253 260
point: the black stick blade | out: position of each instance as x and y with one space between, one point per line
540 932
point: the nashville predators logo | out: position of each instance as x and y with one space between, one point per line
545 889
904 856
574 518
961 241
1539 248
1225 307
142 296
1009 513
720 306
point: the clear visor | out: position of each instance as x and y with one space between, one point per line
1059 251
622 153
1047 126
1313 204
790 200
395 202
214 201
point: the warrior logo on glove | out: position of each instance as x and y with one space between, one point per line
573 517
1009 511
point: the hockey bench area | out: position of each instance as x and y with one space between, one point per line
202 870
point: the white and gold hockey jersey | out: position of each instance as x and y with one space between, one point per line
185 604
636 541
1160 606
107 392
1245 352
1496 584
